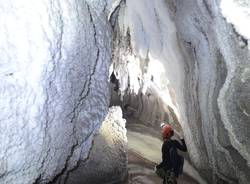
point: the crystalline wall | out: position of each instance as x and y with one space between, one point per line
55 57
217 83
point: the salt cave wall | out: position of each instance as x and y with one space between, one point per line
54 90
107 160
189 54
219 73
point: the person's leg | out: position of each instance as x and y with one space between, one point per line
160 172
170 178
164 177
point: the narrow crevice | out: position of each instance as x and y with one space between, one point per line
80 162
64 169
114 14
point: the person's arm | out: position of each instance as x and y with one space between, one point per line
182 146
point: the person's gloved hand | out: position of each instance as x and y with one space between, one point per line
181 135
155 168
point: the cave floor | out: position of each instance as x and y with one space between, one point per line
144 152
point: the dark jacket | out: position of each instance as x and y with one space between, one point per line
170 157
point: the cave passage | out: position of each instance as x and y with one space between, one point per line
144 144
85 85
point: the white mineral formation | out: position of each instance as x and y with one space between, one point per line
55 57
238 13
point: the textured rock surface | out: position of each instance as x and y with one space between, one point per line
107 161
55 57
221 83
187 53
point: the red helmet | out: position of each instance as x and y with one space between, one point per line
167 131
